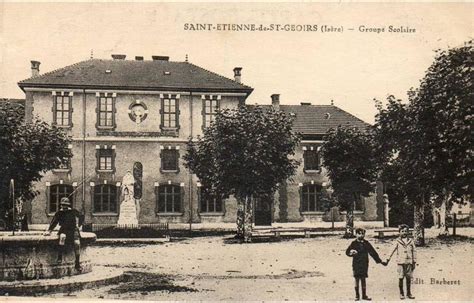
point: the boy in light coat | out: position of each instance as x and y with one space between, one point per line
404 248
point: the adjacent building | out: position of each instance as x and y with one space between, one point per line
135 117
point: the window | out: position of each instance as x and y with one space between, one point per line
105 159
105 198
169 159
66 164
210 203
169 198
58 191
169 112
210 108
105 111
309 198
311 160
62 111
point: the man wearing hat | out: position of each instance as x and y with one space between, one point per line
69 220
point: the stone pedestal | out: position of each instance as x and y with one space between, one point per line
128 213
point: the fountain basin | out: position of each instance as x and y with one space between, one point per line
30 255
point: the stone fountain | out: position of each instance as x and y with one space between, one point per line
31 255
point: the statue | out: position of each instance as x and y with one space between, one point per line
128 207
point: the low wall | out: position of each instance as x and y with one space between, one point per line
30 255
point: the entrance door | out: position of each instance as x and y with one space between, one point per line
263 211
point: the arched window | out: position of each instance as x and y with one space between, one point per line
105 198
58 191
169 198
310 194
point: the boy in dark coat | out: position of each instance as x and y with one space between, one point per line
360 250
69 220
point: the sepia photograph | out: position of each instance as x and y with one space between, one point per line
236 151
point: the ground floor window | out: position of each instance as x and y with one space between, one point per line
309 198
169 198
58 191
105 198
210 203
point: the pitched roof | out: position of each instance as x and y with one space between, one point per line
318 119
133 74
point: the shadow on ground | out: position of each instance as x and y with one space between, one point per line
147 282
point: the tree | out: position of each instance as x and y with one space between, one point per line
349 157
27 150
443 105
246 153
400 147
428 141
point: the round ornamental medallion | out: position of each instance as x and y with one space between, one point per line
137 111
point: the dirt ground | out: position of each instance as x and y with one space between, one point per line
215 268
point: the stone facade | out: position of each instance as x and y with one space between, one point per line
129 142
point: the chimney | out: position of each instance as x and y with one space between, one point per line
160 58
237 74
139 58
118 57
35 68
276 101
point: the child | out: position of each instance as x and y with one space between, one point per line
406 259
360 250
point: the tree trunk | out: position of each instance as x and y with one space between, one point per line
240 218
349 224
418 231
443 228
248 219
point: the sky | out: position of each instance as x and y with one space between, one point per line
351 67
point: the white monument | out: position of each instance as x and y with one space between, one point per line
128 207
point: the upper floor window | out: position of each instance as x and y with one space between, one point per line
106 159
169 198
210 107
169 159
170 111
62 109
105 110
309 198
65 164
105 198
311 159
58 191
209 203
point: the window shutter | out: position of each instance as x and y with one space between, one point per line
114 111
162 105
97 110
177 159
178 112
53 109
70 109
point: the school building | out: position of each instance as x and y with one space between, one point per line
137 115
